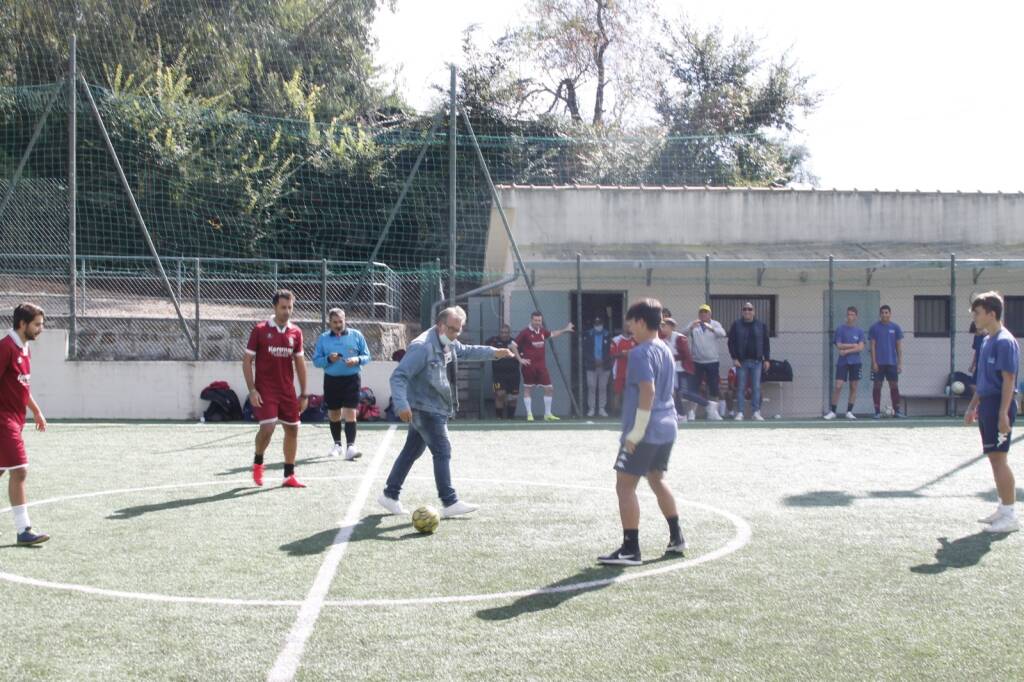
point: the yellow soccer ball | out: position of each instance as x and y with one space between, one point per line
425 519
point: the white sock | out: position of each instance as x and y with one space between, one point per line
528 402
547 405
21 521
1006 509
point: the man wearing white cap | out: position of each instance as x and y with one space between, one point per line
704 334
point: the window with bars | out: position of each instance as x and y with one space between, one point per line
931 316
726 309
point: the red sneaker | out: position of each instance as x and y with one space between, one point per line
257 474
292 482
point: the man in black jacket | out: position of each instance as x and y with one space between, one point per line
597 360
750 350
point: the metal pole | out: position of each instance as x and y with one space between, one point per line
179 278
72 198
520 265
831 327
85 295
452 207
135 209
28 151
323 295
707 278
951 403
580 378
198 354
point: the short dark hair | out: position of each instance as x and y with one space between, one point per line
26 312
853 309
536 313
335 312
991 301
885 307
665 312
646 310
283 293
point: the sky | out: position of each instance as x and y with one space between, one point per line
916 95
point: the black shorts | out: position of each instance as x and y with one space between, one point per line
506 381
342 391
645 458
988 424
889 372
848 372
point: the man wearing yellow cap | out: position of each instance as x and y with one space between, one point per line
704 334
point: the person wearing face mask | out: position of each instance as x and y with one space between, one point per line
597 361
423 399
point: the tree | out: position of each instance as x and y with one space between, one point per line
727 112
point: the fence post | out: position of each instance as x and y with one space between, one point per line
831 329
323 295
580 378
72 199
951 402
198 353
452 204
707 278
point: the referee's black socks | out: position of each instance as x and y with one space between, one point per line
350 433
336 432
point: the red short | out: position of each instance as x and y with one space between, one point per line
536 375
12 447
277 408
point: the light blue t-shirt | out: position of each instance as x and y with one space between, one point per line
885 337
847 334
999 353
651 361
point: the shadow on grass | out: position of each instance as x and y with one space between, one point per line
590 579
820 498
960 553
272 466
233 494
993 496
368 528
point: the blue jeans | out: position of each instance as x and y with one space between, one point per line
752 369
425 431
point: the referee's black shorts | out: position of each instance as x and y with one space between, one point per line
341 392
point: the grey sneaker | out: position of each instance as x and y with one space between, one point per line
458 509
393 506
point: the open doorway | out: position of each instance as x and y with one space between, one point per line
610 306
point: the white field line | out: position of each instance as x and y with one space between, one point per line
288 660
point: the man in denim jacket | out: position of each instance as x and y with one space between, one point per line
423 399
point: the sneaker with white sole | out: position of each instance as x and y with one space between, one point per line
991 518
739 417
590 413
829 415
1006 523
757 416
677 547
393 506
351 453
691 415
602 412
335 450
458 509
620 558
713 414
851 416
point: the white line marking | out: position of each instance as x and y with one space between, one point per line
288 660
738 541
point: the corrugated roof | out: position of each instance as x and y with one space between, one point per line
710 188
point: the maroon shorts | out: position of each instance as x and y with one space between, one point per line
277 408
12 447
536 375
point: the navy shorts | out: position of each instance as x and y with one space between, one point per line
988 424
645 458
889 372
848 372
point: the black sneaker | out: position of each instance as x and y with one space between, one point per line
676 546
620 558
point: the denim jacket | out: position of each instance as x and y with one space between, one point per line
420 382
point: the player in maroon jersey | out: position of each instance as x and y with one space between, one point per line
530 347
275 347
15 396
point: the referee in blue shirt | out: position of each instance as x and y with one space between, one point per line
340 352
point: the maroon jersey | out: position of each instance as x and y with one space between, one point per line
15 371
531 344
274 349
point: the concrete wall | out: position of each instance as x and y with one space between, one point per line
146 390
600 216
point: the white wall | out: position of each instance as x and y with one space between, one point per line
147 390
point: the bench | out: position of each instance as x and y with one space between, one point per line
905 397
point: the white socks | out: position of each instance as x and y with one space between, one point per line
547 405
21 521
1006 509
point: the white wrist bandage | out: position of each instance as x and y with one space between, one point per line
643 418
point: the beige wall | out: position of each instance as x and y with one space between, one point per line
146 390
